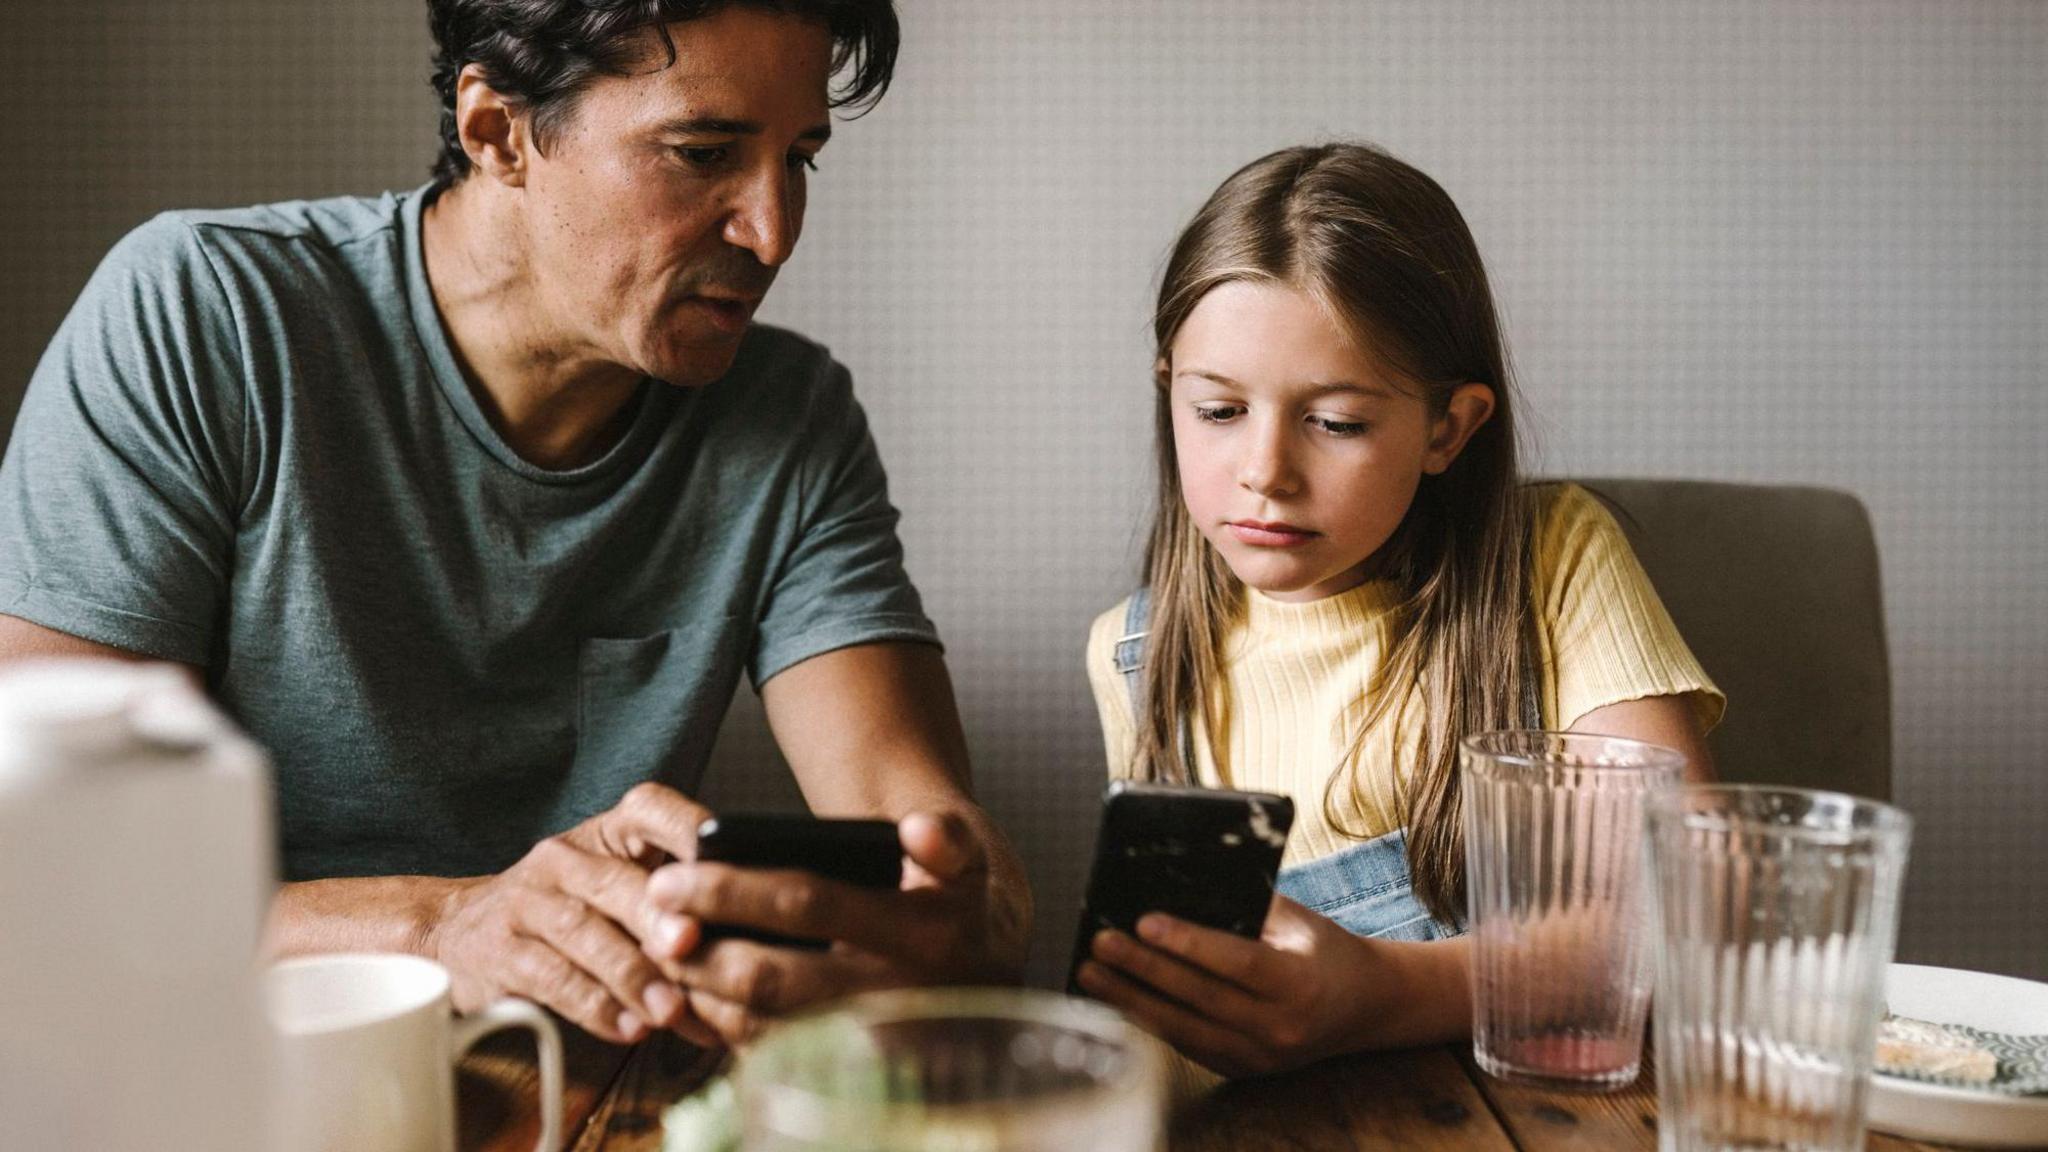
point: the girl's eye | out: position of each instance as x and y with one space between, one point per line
798 160
1217 413
1338 427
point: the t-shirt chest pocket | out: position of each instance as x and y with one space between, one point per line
649 707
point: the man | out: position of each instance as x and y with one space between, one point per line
472 503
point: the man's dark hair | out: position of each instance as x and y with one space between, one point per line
542 53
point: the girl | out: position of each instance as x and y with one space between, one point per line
1346 576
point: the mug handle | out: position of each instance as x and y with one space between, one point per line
513 1012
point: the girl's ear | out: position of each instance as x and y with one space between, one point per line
1470 406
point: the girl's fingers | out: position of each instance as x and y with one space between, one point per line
1219 999
1202 1040
1246 963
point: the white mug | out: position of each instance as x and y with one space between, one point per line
367 1046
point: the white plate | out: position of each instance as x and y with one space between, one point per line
1922 1111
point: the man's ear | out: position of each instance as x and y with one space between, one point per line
495 133
1470 406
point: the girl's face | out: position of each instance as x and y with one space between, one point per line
1298 453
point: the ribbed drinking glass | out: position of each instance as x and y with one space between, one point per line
1557 914
1776 909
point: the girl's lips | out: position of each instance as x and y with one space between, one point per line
1270 535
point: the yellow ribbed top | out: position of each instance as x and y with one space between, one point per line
1296 675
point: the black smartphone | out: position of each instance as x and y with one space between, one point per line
1204 855
866 853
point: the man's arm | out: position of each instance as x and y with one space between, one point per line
26 640
563 926
870 730
874 730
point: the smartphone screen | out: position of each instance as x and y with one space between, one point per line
1204 855
864 853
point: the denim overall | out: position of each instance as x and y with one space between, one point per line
1365 888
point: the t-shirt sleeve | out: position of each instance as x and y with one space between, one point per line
1112 695
120 489
1607 636
842 582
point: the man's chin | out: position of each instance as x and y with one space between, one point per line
694 365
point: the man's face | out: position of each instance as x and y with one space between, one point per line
666 201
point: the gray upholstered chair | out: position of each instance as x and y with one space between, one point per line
1776 590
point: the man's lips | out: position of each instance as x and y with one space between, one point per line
728 313
1271 533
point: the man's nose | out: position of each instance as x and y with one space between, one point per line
766 216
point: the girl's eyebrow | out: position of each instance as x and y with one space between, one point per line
1323 388
1369 391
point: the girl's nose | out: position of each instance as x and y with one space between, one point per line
1267 467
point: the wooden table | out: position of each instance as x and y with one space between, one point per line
1426 1098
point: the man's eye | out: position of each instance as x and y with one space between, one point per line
1217 413
704 155
798 160
1338 427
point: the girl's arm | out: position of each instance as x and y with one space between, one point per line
1308 989
1666 720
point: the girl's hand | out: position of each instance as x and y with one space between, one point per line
1304 990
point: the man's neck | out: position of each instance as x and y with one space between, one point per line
555 402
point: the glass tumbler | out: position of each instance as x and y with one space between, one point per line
1777 909
1555 903
954 1070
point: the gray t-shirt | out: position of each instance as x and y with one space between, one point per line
249 448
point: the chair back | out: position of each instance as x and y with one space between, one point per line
1776 591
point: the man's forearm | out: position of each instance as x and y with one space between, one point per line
359 914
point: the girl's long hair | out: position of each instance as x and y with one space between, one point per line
1383 249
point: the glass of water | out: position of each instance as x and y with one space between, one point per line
1554 898
1777 909
954 1070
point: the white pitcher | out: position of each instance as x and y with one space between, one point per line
137 861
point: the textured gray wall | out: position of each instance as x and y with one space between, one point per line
1756 241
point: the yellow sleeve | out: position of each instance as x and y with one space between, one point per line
1606 637
1112 695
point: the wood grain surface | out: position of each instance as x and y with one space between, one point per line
1430 1098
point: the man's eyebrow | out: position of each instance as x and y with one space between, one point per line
725 126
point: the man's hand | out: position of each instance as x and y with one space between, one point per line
565 925
939 928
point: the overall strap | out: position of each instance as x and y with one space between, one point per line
1130 662
1130 647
